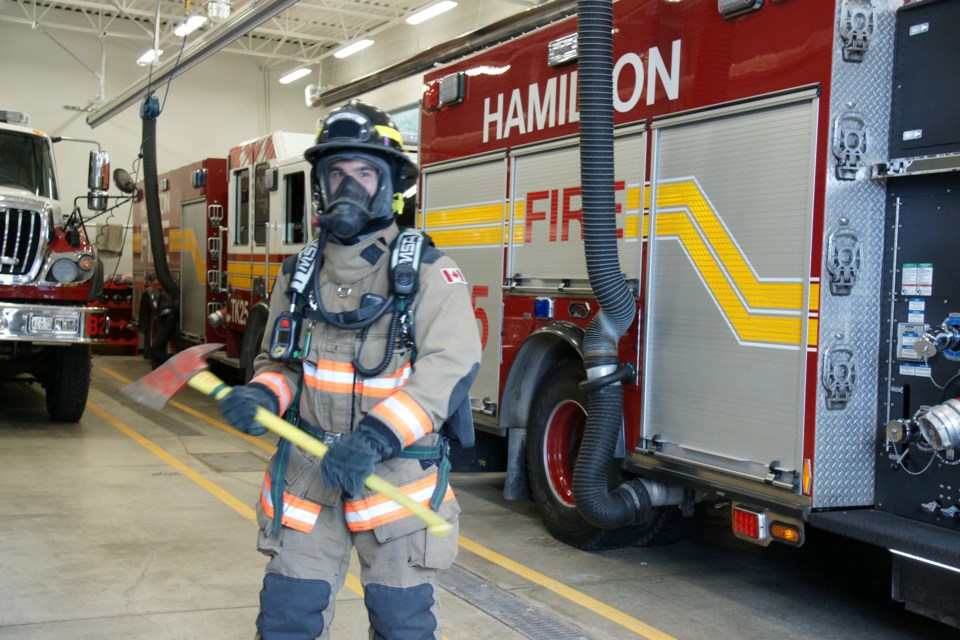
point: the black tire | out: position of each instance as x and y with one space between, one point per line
557 420
67 382
162 338
146 327
252 339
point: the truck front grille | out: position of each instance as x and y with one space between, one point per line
21 235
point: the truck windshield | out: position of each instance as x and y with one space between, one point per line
26 164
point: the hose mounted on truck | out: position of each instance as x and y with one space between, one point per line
630 503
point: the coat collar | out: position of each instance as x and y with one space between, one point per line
351 263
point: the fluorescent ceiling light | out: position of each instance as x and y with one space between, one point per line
351 49
191 25
431 12
296 74
150 56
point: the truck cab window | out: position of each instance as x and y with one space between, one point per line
241 232
26 164
295 206
261 205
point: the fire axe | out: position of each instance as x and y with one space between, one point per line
189 368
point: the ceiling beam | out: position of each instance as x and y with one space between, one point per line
243 21
487 36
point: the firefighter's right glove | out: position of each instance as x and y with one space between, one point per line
352 459
240 406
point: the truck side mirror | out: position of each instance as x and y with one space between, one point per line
98 180
123 180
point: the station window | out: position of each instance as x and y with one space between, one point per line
241 233
261 204
295 208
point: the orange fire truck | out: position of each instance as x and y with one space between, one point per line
227 226
784 206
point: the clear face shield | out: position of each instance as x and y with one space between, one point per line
356 190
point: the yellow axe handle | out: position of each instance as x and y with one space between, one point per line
209 384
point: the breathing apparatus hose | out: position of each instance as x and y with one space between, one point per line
629 503
391 303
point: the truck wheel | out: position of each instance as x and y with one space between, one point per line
146 327
162 341
558 418
252 339
67 382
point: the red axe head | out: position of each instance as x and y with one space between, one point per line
164 382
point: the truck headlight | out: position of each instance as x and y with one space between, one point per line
64 270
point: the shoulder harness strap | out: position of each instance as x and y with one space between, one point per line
405 264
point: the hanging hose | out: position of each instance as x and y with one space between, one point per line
167 308
149 113
629 503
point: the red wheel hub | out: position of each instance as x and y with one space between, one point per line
560 446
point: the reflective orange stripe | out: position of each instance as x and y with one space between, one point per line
298 513
329 375
340 377
385 386
278 385
405 416
378 510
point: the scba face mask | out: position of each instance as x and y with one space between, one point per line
357 192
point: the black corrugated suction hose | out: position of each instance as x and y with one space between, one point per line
167 309
629 503
148 114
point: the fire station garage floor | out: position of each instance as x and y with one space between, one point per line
139 524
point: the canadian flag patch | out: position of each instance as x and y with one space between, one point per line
453 276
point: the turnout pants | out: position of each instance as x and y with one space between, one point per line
307 570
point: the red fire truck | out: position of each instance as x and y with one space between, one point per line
227 225
50 276
785 198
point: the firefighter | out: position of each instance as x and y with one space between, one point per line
373 352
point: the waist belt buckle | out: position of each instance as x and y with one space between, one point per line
331 438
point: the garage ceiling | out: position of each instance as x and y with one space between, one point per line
284 34
307 32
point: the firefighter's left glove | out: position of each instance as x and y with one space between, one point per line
240 406
352 459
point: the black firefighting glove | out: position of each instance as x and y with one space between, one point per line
240 406
352 459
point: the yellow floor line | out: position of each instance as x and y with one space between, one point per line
200 415
352 582
614 615
605 610
219 492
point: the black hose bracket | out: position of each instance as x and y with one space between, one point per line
624 372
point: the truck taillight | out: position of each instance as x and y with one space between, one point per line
762 527
749 523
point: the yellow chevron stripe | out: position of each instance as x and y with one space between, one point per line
758 295
480 214
240 282
684 212
185 240
747 326
813 331
469 237
252 269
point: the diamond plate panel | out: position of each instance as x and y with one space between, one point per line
845 447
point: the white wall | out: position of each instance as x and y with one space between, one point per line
210 108
222 101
